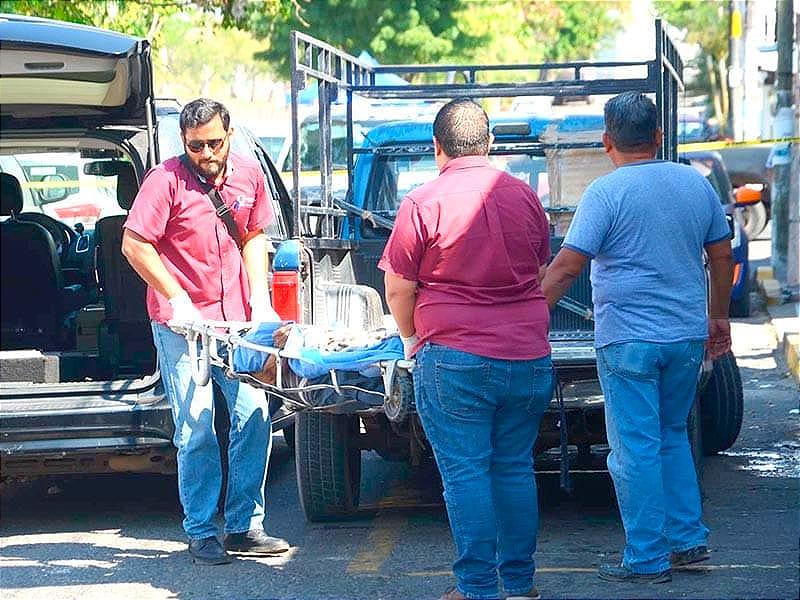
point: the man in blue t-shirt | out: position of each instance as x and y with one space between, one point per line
644 227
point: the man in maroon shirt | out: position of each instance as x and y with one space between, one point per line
195 271
463 269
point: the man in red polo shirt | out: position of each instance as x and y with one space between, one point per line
195 271
463 269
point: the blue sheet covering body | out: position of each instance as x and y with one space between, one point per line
313 362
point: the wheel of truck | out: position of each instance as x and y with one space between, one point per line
755 219
328 463
721 406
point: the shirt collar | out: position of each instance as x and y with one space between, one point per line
466 162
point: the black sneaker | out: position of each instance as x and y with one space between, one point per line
619 573
690 556
208 551
256 541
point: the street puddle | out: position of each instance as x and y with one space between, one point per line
783 460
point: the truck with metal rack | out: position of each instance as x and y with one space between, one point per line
333 259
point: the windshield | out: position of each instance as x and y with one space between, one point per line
58 184
394 176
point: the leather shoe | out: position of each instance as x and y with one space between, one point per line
208 551
690 556
622 574
256 541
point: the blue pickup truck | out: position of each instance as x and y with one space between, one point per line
345 237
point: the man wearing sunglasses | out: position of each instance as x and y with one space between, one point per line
177 241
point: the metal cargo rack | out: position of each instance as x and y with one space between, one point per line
338 72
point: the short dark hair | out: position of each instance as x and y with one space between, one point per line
201 111
631 121
462 128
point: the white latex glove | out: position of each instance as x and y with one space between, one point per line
261 310
183 311
408 344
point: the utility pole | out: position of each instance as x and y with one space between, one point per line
783 127
737 10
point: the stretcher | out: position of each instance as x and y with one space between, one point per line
373 376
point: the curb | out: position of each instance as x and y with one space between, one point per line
783 310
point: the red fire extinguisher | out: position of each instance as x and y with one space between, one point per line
287 297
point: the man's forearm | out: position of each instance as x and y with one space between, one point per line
721 276
254 254
555 285
402 308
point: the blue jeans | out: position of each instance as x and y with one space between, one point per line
649 390
199 465
481 417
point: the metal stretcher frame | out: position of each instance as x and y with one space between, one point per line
206 339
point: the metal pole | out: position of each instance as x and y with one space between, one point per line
736 70
783 126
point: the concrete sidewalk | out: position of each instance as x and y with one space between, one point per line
785 320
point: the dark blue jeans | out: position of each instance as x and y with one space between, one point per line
482 416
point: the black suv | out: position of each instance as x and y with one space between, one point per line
79 387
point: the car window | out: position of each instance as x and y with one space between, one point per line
393 177
57 184
706 168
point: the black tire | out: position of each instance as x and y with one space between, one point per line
328 463
722 406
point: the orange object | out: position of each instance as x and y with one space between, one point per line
747 195
737 270
286 295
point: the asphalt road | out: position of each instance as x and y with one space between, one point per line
119 536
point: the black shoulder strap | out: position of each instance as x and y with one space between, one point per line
222 210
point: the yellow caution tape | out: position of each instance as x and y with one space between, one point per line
42 185
730 144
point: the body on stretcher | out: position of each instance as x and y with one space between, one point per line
315 368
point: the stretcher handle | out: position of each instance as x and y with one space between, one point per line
200 365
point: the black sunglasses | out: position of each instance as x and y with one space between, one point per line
213 145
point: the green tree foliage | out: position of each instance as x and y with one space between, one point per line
395 31
706 24
539 31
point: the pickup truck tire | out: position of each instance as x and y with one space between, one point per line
328 462
755 219
722 406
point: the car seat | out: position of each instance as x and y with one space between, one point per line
125 343
35 303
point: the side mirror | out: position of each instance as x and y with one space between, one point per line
746 196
